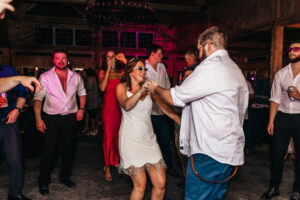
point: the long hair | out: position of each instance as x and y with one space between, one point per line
128 69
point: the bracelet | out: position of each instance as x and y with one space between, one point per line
81 108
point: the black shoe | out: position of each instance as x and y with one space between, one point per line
44 190
19 197
295 196
272 192
68 183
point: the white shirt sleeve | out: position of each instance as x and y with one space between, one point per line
167 80
199 84
40 96
276 89
81 90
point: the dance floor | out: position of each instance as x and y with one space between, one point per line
250 182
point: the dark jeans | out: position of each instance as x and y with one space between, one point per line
60 129
11 147
161 125
285 127
209 169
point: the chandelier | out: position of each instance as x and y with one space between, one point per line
119 12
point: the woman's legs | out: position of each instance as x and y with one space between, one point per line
158 179
139 184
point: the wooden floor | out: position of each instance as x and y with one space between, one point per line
250 182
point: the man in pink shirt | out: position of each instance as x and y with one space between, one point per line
59 88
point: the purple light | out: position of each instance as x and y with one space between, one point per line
252 78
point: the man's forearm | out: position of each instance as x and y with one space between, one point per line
165 95
20 102
37 106
273 111
8 83
82 101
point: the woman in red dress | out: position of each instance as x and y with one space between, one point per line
109 78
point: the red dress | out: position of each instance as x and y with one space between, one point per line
111 119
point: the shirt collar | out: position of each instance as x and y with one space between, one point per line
150 67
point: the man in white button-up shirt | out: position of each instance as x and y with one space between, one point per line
285 106
161 122
218 96
59 88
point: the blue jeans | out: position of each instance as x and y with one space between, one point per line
209 169
10 144
161 126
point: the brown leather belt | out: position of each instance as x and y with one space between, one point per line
208 181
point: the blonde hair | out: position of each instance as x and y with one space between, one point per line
215 35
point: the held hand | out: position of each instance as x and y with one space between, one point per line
121 57
12 116
26 81
294 93
270 128
4 5
152 85
144 87
79 115
40 126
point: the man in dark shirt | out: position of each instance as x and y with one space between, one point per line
10 140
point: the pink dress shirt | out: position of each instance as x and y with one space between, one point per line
56 100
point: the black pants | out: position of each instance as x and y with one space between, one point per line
161 126
285 127
10 144
60 129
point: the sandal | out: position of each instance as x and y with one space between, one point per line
107 178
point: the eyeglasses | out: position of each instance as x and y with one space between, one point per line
141 69
110 56
295 49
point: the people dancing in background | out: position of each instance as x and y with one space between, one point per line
10 139
92 101
109 78
139 150
284 121
162 124
59 123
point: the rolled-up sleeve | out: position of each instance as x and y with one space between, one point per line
40 95
176 99
276 89
81 90
199 84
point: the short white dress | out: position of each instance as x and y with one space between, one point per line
137 142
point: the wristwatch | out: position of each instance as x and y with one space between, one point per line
19 109
82 109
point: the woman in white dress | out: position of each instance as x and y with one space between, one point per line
139 150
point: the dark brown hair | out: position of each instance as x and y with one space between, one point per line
128 69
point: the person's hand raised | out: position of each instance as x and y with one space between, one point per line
121 57
5 5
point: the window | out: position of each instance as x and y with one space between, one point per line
128 39
83 37
145 40
64 36
43 35
110 39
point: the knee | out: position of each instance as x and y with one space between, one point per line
140 188
160 184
